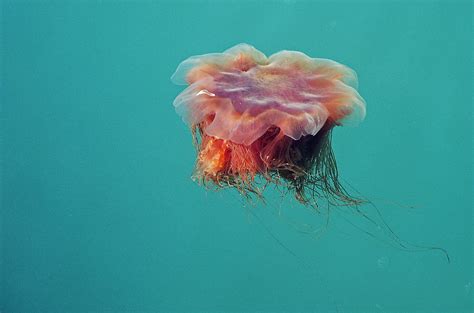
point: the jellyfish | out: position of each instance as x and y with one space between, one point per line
259 120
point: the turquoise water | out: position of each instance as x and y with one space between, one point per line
98 209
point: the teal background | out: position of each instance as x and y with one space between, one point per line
98 209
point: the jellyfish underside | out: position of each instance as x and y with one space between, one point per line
307 167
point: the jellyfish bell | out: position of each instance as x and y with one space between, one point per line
269 117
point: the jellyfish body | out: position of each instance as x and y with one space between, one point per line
269 117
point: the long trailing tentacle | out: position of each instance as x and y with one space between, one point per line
306 168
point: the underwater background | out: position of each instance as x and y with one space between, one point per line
98 210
